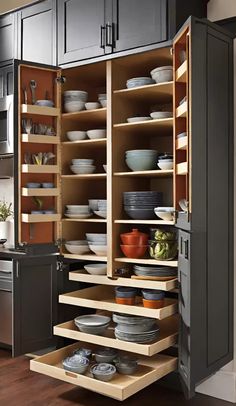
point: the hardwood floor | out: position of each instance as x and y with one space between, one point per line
21 387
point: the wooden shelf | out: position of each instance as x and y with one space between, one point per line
25 168
85 257
146 261
103 298
40 192
181 73
40 139
89 220
154 222
181 111
86 176
120 387
40 110
83 276
159 92
98 115
87 143
151 126
182 143
167 338
182 168
146 174
39 218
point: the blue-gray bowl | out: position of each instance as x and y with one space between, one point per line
153 294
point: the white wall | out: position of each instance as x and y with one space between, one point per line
223 384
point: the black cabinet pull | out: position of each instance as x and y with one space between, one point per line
186 249
109 35
102 36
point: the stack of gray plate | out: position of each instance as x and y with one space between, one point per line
141 205
135 329
139 81
163 271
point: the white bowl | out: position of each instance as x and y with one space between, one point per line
137 119
103 102
101 213
77 242
96 237
96 269
76 93
161 114
162 74
93 204
78 215
78 208
164 215
71 107
100 250
77 249
76 135
105 168
83 170
165 165
47 103
92 105
79 161
96 134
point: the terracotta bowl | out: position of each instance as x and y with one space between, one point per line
135 237
153 304
125 300
134 251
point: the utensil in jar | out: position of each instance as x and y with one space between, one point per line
33 85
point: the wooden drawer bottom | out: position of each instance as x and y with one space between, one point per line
121 386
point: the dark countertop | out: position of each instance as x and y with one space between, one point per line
14 254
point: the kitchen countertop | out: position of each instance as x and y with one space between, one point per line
14 254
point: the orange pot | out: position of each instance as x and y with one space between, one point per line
134 251
153 304
135 237
125 300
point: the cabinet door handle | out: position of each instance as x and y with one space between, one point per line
102 36
109 35
17 270
186 249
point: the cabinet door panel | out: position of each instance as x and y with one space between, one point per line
35 304
79 29
37 33
7 38
139 23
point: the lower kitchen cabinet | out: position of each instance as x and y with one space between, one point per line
35 292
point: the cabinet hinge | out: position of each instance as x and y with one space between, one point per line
59 242
60 80
172 51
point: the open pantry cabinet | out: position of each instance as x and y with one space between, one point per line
197 82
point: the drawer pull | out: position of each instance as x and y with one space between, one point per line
71 374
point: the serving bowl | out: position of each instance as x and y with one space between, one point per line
153 294
139 213
92 105
105 354
142 163
162 74
100 250
82 169
163 165
84 352
103 371
97 133
75 95
77 247
96 269
126 365
82 161
165 213
133 251
96 237
73 106
77 364
46 103
76 135
78 208
92 323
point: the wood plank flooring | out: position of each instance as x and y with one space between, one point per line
21 387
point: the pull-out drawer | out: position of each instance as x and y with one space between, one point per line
167 338
103 298
120 387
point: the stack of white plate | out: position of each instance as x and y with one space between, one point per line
97 243
78 211
74 100
82 166
102 209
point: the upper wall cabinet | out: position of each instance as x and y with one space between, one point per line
81 29
7 32
138 23
37 33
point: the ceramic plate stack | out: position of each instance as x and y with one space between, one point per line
77 211
74 100
82 166
135 329
141 205
139 81
92 323
155 271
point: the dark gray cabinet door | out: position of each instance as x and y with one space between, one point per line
138 23
7 39
6 80
34 303
81 31
37 33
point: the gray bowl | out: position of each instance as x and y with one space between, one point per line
84 352
103 371
48 185
33 185
140 214
105 355
76 363
141 163
92 330
125 292
153 294
126 369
